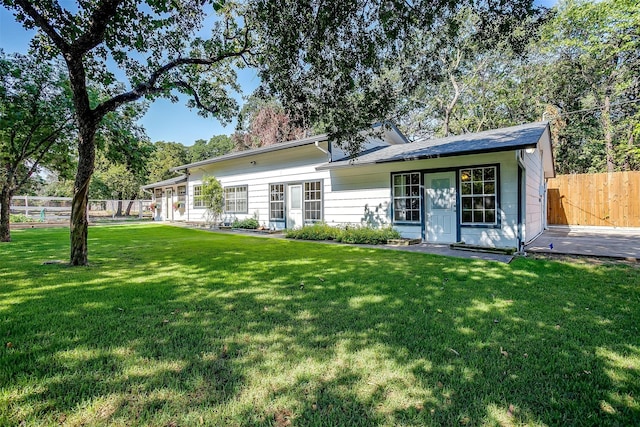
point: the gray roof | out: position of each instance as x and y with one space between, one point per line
171 181
260 150
506 139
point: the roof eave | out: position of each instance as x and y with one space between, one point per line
253 152
328 166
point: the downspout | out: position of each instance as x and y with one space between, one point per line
519 215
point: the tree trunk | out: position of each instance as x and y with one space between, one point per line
5 205
79 220
119 208
130 205
608 132
446 127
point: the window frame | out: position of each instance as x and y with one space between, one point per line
306 202
234 189
198 203
281 201
477 194
415 197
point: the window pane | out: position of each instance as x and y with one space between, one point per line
490 174
467 203
465 188
466 216
477 188
478 216
490 216
465 175
478 203
296 200
489 187
490 202
477 174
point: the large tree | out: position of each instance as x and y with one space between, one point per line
328 68
322 59
166 155
216 146
155 44
36 126
264 122
594 54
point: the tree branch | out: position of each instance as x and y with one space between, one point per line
44 24
94 35
149 86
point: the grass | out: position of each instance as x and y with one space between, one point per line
172 326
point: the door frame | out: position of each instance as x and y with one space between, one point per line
456 200
288 200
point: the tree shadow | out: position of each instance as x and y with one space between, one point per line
249 331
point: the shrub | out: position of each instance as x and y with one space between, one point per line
348 234
319 231
249 223
368 235
20 218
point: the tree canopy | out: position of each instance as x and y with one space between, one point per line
323 60
36 126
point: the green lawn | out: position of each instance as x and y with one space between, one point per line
179 327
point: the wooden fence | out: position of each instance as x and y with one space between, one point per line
599 199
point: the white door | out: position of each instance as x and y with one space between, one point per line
168 216
440 189
294 206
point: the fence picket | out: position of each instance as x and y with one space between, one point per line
605 199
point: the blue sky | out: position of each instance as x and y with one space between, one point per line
164 121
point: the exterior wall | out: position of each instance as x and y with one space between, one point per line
362 194
165 205
294 165
366 190
535 199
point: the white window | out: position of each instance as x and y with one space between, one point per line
197 197
276 202
406 197
313 201
478 193
235 199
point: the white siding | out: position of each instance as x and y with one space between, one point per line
354 190
362 194
535 195
289 166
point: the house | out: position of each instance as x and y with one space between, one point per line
486 188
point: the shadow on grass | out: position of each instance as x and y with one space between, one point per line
180 326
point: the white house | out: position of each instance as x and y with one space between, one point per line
486 188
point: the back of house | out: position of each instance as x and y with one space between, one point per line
486 188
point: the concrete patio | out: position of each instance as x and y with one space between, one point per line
614 243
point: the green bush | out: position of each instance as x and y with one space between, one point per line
20 218
249 223
319 231
348 234
368 235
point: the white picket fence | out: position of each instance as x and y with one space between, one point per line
59 208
